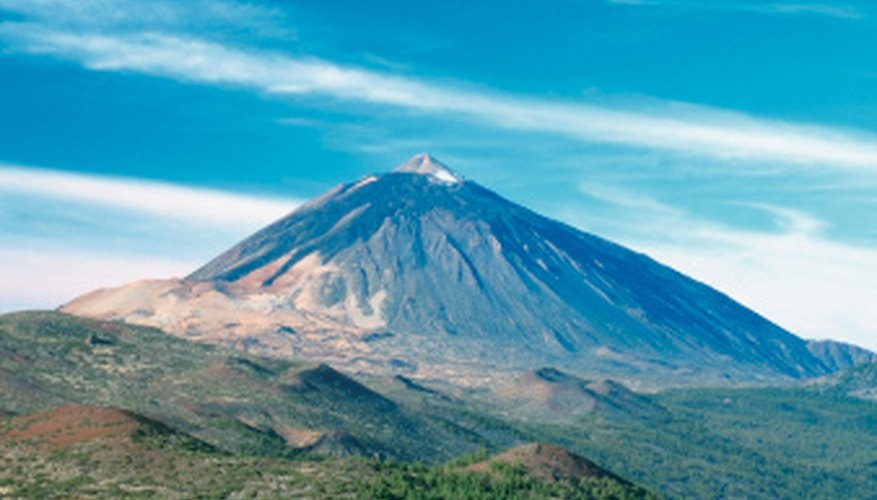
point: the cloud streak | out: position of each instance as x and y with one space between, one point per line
49 278
119 230
827 10
845 12
664 126
126 15
158 199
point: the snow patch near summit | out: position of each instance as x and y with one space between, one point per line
424 164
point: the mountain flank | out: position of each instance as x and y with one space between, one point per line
235 402
283 429
550 395
546 461
70 426
424 273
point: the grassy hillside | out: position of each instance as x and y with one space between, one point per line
737 443
238 403
88 451
102 452
792 442
270 418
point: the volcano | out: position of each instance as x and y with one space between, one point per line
423 272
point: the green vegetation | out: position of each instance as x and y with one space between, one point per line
199 476
737 443
98 470
129 466
239 403
245 426
412 481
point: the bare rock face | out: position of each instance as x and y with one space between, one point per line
422 272
839 356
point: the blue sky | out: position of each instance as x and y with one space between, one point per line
733 140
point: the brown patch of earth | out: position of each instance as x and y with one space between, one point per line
546 462
69 426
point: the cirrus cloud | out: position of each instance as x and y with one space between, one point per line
162 199
680 128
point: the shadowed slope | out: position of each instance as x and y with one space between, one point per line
418 269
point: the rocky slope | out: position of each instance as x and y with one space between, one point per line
422 272
838 356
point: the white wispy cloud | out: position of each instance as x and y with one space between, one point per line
634 2
127 15
160 199
837 11
794 274
46 260
667 126
34 278
828 10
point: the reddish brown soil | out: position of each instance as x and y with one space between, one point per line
62 428
547 462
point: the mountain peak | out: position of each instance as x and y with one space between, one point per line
425 164
418 271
